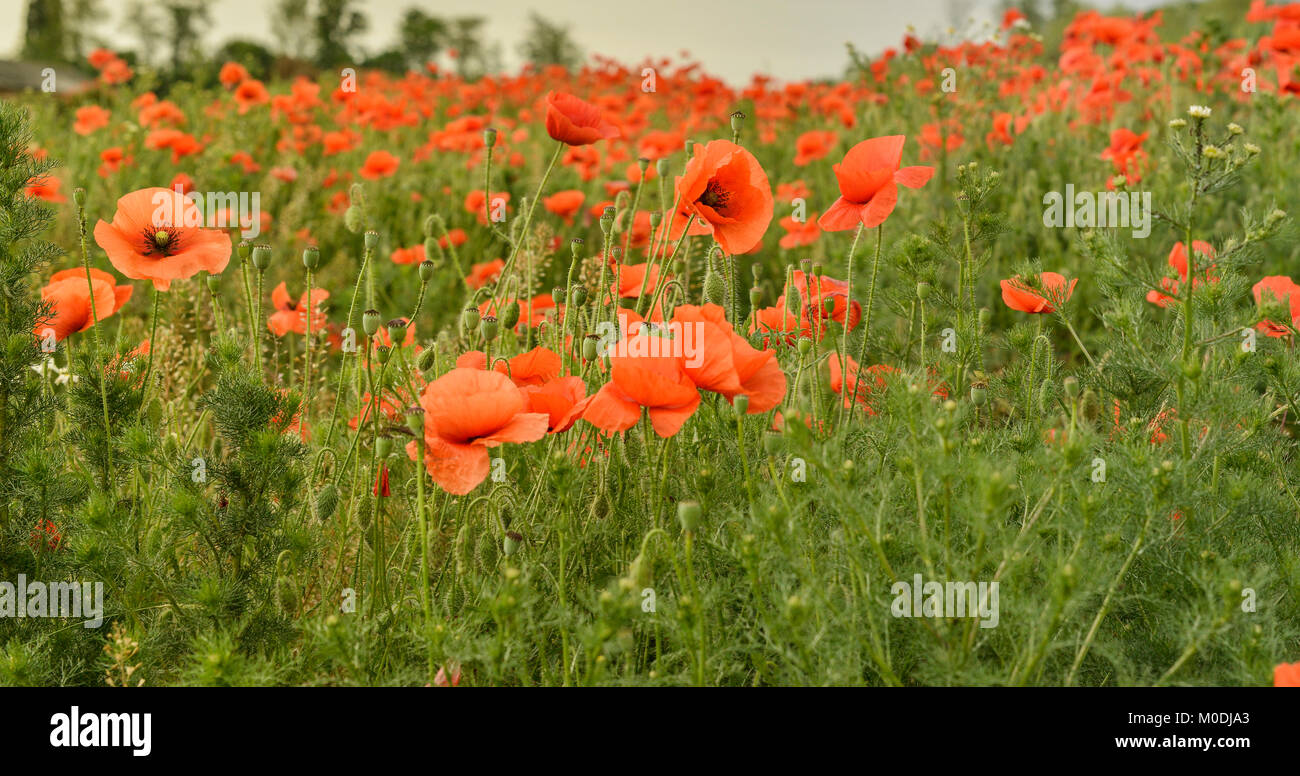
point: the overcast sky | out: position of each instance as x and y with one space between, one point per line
791 39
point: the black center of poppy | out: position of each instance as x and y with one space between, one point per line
161 242
714 196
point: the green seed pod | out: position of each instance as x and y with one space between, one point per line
580 295
740 405
384 352
489 328
590 344
656 218
353 221
557 295
1071 386
510 316
512 542
642 163
471 317
370 321
244 249
773 442
575 246
79 195
755 297
396 331
805 345
688 514
737 121
661 167
426 270
383 446
607 220
978 395
490 137
923 291
327 500
261 256
311 257
372 240
415 420
214 284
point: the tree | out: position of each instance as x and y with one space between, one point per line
46 38
548 43
291 23
81 18
421 37
334 27
183 19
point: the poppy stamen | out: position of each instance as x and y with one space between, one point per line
165 241
714 196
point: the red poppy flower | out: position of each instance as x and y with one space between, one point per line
725 189
575 122
69 296
1286 675
380 164
291 315
154 236
1284 290
656 382
1047 298
484 272
1178 260
724 361
466 411
869 177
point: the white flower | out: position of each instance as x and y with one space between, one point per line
61 376
1199 112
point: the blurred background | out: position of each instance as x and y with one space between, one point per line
803 39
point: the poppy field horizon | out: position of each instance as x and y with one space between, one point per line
975 366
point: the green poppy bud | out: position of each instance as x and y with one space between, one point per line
427 359
715 290
607 220
488 327
590 344
383 446
415 419
262 256
512 542
656 218
214 284
471 317
580 296
372 240
430 227
755 296
311 257
327 500
661 167
353 220
510 316
688 514
1071 387
557 295
740 404
426 271
490 137
805 345
370 322
923 291
737 121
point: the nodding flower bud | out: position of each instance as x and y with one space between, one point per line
1071 387
792 300
427 360
261 256
643 163
471 317
737 121
79 195
431 249
755 296
985 316
311 257
740 403
415 419
688 514
661 167
715 291
353 220
372 240
656 218
214 284
510 315
490 136
512 542
426 271
607 220
244 249
580 295
590 344
488 327
923 291
370 321
396 328
357 195
557 295
430 227
384 352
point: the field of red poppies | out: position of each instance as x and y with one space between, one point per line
974 366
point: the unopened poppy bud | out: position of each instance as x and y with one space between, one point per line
740 403
326 502
755 296
384 352
261 256
214 284
426 271
715 291
415 420
430 227
607 220
656 218
490 136
311 257
828 305
688 514
352 220
512 542
1071 387
471 317
986 315
922 291
370 321
805 345
773 442
557 295
661 167
590 343
383 446
488 327
1192 368
640 571
427 359
372 240
642 163
737 121
580 295
244 249
792 301
79 195
509 316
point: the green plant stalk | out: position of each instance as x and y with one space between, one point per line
99 362
871 299
528 220
153 348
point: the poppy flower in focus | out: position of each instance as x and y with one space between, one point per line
852 386
726 190
1052 292
69 296
466 411
574 121
823 288
534 368
629 277
725 362
291 315
649 379
152 238
869 178
561 399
